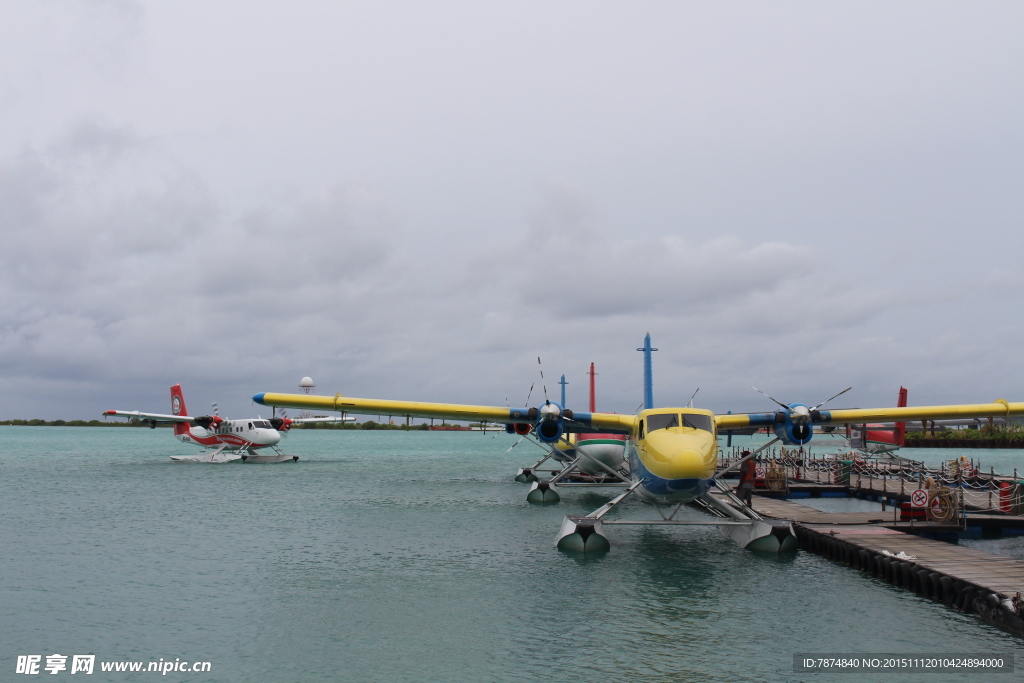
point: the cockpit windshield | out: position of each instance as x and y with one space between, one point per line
261 424
662 422
697 422
672 420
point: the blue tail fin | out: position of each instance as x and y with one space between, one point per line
648 379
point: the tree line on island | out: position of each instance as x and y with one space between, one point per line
135 422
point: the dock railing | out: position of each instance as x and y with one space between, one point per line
975 490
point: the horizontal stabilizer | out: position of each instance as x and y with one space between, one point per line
149 416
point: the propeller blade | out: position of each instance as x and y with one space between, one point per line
529 394
787 408
543 383
515 444
836 396
507 406
690 404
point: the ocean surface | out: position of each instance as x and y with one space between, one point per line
408 556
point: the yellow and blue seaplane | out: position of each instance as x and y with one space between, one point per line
672 452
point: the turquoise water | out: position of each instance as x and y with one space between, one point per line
402 556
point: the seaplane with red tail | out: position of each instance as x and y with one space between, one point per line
248 440
587 459
879 439
672 452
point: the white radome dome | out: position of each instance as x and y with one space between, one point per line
306 382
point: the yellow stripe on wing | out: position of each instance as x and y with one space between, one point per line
737 421
448 411
613 421
374 406
998 408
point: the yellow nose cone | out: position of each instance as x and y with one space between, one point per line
673 454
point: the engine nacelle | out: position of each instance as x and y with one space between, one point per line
208 421
550 425
794 432
549 431
281 424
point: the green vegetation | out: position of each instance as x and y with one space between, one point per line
985 433
986 437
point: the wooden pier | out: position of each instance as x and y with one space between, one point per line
969 580
898 544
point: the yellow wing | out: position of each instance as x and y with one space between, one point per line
998 408
447 411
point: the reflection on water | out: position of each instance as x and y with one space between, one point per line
1012 546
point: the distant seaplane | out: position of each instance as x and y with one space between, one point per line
588 459
672 452
879 439
224 440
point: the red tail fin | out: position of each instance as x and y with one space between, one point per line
901 427
178 408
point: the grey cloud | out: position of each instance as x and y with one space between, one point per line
233 197
93 138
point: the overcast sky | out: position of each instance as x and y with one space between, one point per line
415 200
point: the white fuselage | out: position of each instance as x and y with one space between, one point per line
234 434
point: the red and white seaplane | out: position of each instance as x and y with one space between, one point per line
224 440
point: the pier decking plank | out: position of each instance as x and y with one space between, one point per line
795 512
983 572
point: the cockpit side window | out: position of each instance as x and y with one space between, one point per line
698 422
662 422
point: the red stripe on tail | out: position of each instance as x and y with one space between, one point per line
178 408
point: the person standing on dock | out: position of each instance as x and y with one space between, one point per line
745 490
